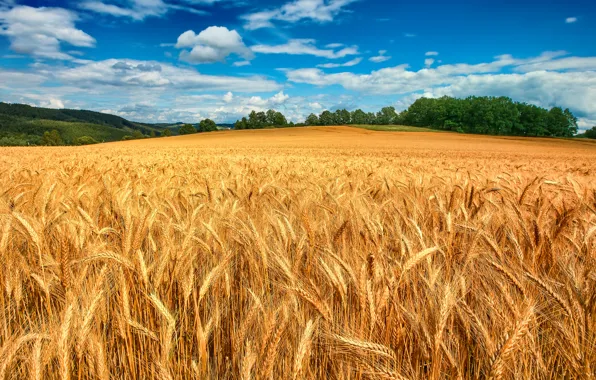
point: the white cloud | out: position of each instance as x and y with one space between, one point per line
140 9
569 63
146 74
228 97
279 98
409 35
45 101
351 63
41 31
429 62
213 44
321 11
570 20
380 58
137 9
305 47
431 53
241 63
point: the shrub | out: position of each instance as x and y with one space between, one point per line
86 140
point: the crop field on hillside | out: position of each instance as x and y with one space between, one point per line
303 253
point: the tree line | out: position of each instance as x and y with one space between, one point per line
259 120
490 115
591 133
481 115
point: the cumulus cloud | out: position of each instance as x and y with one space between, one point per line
143 74
143 90
570 20
429 62
305 47
321 11
228 97
213 44
351 63
41 31
381 57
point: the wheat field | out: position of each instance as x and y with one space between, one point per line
299 254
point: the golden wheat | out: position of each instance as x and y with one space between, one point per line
299 254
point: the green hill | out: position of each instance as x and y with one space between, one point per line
25 125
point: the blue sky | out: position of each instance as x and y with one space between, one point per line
185 60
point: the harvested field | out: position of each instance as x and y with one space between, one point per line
327 252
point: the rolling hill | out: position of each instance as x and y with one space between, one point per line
25 125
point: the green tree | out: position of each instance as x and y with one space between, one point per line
86 140
52 138
166 133
591 133
241 124
387 116
207 125
342 117
187 129
152 134
359 117
279 120
312 119
327 118
257 120
137 135
270 118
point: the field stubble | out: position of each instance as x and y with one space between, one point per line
314 253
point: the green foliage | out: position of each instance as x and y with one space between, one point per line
360 117
26 125
241 124
312 119
259 120
387 116
591 133
137 135
207 125
327 118
86 140
490 115
52 138
27 112
187 129
166 133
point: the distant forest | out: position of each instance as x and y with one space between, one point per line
481 115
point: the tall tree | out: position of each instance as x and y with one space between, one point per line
312 119
386 116
187 129
359 117
327 118
52 138
207 125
